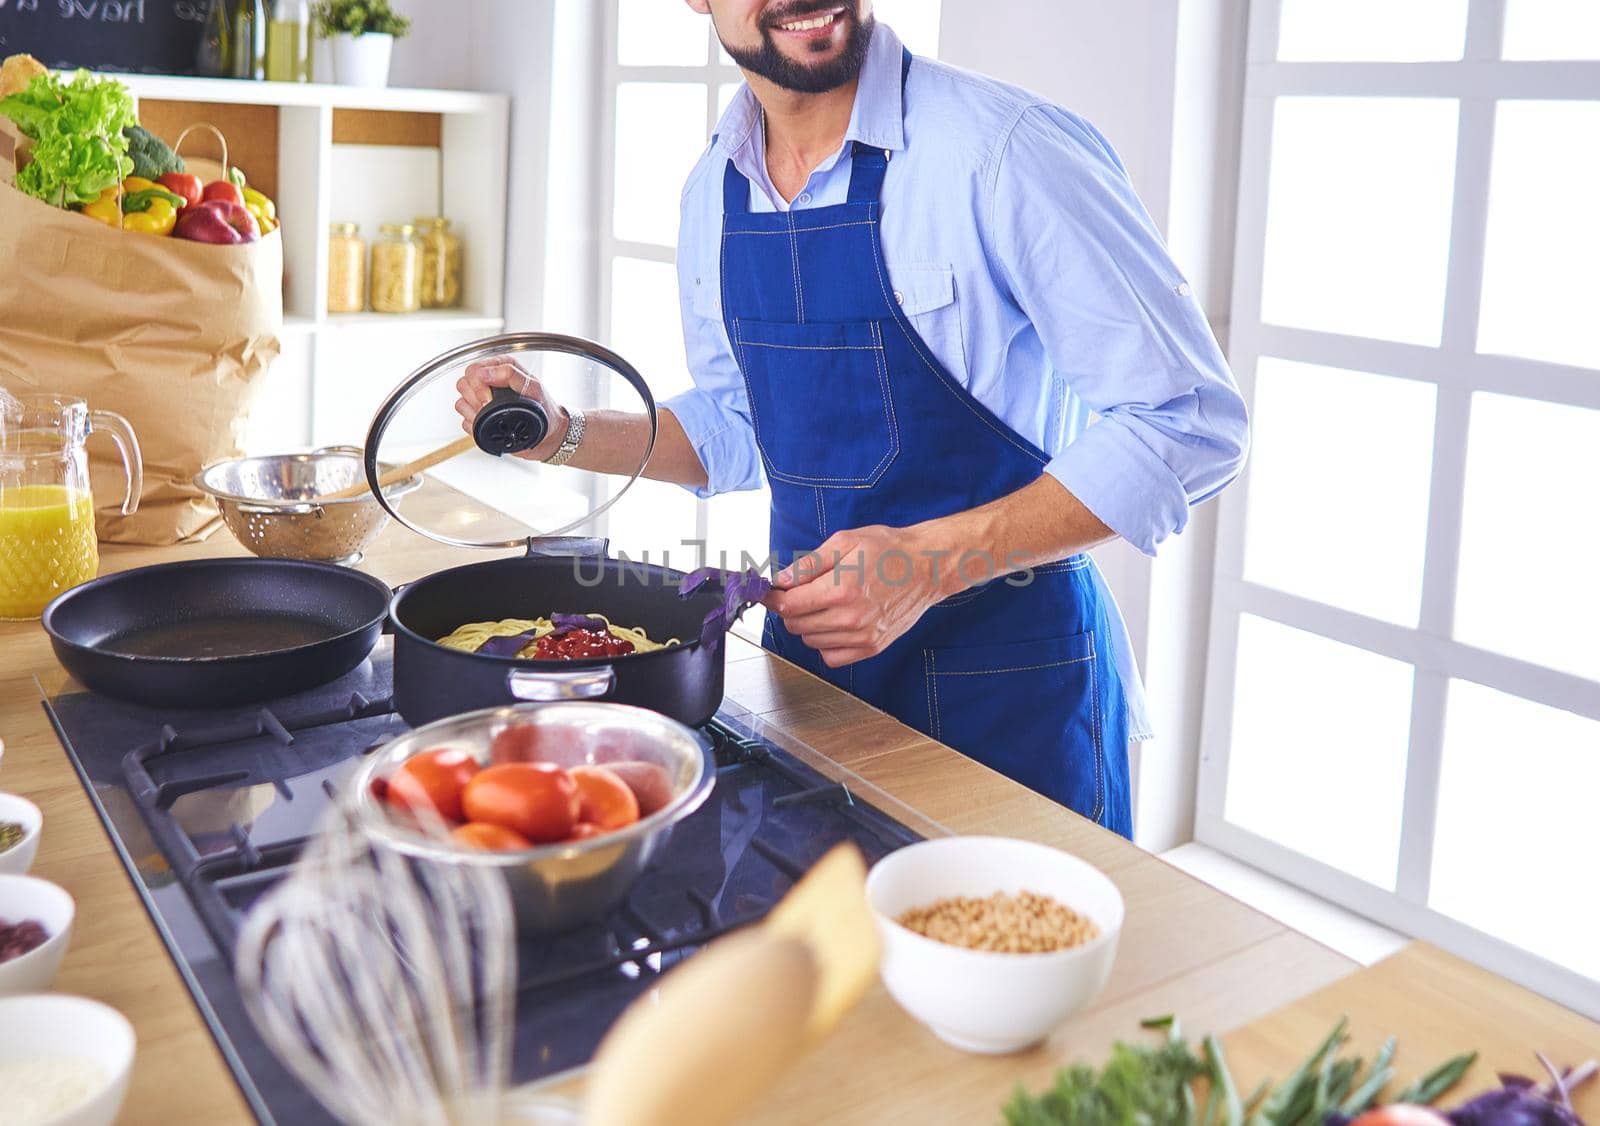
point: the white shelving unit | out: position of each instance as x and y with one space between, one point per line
371 156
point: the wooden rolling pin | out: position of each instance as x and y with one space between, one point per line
409 469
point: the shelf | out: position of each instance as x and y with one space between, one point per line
431 320
238 91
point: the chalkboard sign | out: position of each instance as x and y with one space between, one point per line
151 36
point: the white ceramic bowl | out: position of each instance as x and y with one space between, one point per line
42 1026
17 859
978 1000
28 897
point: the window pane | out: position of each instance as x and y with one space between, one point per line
1371 30
1543 237
916 22
725 93
1552 29
1307 493
646 329
652 521
736 527
1318 756
1358 216
661 131
660 33
1529 537
1502 863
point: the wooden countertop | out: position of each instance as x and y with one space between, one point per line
1186 947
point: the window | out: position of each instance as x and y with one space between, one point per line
1403 706
668 81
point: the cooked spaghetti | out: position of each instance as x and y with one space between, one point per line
472 636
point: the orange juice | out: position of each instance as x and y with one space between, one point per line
47 544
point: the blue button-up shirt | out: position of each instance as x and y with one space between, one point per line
1023 258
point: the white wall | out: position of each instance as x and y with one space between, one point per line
1161 79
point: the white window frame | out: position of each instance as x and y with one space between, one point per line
1456 370
713 74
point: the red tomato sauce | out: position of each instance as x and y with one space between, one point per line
578 644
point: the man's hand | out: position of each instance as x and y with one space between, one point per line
861 590
479 382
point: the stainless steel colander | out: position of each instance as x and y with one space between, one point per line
271 503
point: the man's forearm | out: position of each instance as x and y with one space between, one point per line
1040 523
613 441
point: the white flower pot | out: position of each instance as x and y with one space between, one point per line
361 60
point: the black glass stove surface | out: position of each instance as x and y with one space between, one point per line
208 808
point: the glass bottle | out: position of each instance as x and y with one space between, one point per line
289 42
249 54
214 56
347 269
395 270
441 264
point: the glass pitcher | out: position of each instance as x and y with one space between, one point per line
47 539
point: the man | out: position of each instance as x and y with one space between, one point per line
904 288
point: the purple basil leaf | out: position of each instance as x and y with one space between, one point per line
696 579
739 593
566 623
506 646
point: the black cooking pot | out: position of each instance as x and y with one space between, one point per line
432 681
503 498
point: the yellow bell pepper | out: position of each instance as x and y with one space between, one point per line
107 208
264 210
139 184
151 211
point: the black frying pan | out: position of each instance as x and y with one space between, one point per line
212 633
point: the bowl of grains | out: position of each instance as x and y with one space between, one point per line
64 1060
992 942
20 820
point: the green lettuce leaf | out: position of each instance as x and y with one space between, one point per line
76 127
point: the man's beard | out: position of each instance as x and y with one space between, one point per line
777 68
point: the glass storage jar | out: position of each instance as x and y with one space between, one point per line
396 270
441 264
347 269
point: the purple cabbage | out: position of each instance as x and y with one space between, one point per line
740 591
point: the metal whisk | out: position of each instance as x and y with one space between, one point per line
386 984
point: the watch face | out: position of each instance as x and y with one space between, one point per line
523 399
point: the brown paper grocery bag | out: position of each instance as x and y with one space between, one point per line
174 335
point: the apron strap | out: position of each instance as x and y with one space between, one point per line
867 167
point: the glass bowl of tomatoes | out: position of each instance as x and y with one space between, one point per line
569 801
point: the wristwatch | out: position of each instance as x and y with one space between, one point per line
569 443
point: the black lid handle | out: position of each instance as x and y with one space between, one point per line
509 423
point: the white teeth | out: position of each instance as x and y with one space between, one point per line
808 25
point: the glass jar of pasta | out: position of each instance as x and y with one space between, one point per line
347 269
396 270
441 264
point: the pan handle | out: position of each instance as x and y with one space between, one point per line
573 684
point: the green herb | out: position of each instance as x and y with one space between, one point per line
359 17
10 833
76 127
1151 1086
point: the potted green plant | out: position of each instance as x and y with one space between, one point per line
362 33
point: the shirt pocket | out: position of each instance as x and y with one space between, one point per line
926 295
819 400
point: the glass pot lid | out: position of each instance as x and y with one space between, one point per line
499 409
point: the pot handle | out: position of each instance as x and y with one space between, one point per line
574 684
582 546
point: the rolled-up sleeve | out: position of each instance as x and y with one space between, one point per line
1086 265
715 413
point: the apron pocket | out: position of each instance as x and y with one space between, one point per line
819 401
1029 709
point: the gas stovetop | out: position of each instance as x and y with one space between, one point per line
208 808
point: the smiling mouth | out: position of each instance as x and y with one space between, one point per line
812 23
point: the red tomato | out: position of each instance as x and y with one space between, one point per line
1401 1114
583 830
517 743
432 780
537 799
186 184
481 834
650 783
222 189
603 798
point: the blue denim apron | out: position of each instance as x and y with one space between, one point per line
859 424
